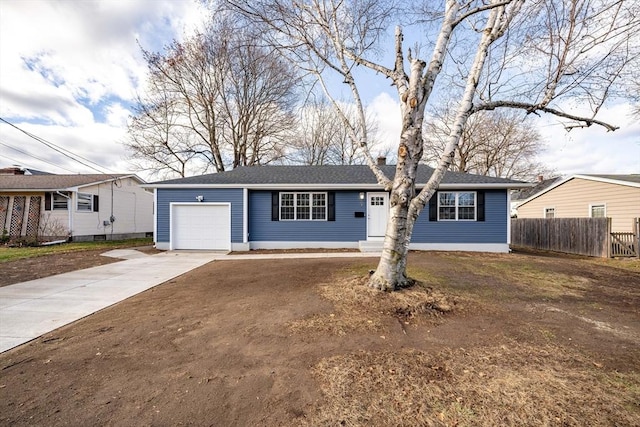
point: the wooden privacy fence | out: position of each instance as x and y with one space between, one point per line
582 236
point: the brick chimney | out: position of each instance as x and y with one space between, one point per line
382 160
540 178
13 170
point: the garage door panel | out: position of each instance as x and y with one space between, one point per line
201 226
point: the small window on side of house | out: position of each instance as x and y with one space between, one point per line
85 202
598 211
549 213
59 202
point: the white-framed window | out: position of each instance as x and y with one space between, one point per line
59 202
457 206
549 213
598 210
377 201
303 206
85 202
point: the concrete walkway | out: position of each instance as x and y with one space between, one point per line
31 309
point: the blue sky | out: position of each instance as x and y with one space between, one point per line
70 69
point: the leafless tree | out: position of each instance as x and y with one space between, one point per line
322 138
489 53
218 100
502 143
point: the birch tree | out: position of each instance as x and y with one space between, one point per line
496 53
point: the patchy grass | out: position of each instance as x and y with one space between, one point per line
629 264
482 340
358 307
537 382
511 384
12 254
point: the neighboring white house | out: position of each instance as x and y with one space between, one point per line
81 207
578 196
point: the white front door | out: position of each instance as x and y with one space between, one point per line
377 213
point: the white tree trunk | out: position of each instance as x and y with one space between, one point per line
405 206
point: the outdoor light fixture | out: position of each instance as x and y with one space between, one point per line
199 198
361 196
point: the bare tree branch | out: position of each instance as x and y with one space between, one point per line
533 108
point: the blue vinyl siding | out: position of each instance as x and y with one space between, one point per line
167 196
492 230
346 227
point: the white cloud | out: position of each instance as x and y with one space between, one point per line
386 111
594 149
589 150
75 64
72 67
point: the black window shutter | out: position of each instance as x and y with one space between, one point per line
47 201
95 203
480 202
433 207
275 206
331 206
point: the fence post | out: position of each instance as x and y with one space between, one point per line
608 239
636 236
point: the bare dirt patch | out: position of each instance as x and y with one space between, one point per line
247 343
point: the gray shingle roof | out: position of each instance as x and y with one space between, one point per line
525 193
51 182
326 174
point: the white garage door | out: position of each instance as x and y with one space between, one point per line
200 226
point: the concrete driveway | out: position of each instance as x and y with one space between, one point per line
30 309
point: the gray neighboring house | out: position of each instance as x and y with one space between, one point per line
287 207
79 207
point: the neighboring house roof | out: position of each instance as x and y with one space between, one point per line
19 170
632 180
327 176
540 186
56 182
28 171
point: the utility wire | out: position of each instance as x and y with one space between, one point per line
10 159
35 157
59 149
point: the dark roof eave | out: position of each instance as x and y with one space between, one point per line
333 186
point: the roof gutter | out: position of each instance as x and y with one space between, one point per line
452 186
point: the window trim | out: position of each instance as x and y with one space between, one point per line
91 198
295 205
545 209
594 205
456 206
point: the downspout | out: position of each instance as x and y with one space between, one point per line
509 219
111 217
155 217
245 216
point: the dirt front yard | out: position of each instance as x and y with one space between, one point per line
519 339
